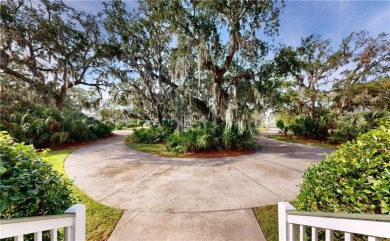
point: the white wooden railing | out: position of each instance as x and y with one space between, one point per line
293 223
73 222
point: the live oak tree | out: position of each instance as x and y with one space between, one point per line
227 40
138 47
50 46
322 76
368 59
207 52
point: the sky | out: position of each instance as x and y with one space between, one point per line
332 19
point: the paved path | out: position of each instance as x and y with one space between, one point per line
189 199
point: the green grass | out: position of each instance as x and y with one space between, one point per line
155 149
267 217
280 138
101 220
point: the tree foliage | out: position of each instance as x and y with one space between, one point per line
50 46
194 50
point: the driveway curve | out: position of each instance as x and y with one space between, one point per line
185 198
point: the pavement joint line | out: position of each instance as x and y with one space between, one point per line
190 212
120 189
132 218
255 181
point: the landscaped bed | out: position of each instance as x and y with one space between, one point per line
159 149
302 140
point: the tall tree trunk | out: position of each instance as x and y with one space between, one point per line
160 116
60 99
218 95
312 107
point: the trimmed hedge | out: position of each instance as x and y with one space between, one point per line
29 186
353 179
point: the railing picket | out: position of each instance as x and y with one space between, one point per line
53 235
373 226
371 238
292 232
348 237
38 236
301 233
18 238
68 234
314 234
329 235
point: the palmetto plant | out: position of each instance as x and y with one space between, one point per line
49 127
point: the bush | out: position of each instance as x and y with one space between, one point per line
29 186
353 179
154 134
49 127
208 137
351 125
280 125
308 127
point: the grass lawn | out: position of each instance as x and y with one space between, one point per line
267 216
155 149
101 220
280 138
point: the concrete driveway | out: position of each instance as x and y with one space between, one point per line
189 199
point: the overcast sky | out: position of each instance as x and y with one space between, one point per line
331 19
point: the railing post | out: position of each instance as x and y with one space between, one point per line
283 207
78 230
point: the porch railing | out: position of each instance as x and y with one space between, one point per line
73 222
292 224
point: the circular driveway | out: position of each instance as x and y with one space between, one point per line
115 175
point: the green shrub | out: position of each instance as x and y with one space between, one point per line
29 186
280 125
307 127
120 125
49 127
154 134
351 125
353 179
208 137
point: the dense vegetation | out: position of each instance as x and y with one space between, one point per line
208 137
330 127
154 134
353 179
29 185
47 126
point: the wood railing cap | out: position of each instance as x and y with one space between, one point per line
356 216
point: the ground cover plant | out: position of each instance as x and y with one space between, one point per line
101 219
48 127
